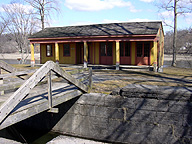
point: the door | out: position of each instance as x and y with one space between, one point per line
106 53
125 51
146 57
79 53
90 53
143 53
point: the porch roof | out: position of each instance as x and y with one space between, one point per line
128 28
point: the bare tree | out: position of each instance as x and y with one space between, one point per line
184 41
21 24
3 25
43 8
177 7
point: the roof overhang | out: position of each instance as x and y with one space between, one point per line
152 37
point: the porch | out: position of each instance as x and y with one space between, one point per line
124 54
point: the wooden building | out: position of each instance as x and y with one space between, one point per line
130 43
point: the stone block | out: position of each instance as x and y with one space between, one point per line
114 101
115 136
156 92
116 113
114 125
75 109
128 103
118 130
145 127
140 115
135 138
187 119
116 91
168 118
68 124
98 111
85 109
151 104
92 99
180 107
85 126
162 134
94 127
99 127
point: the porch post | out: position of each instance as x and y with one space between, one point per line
32 55
57 53
155 57
117 55
85 54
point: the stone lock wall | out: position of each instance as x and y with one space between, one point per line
133 114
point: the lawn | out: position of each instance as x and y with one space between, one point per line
171 76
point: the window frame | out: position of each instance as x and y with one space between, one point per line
148 49
103 49
141 49
145 49
123 47
107 46
51 50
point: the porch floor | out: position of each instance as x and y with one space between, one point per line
109 67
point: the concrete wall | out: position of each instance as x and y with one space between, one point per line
138 114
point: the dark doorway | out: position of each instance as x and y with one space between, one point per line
79 53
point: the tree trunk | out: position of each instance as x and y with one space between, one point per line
43 15
22 56
175 34
42 22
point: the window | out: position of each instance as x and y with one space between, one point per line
49 50
125 49
106 49
109 49
103 49
121 49
146 49
66 51
139 49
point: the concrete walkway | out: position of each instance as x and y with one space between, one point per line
7 141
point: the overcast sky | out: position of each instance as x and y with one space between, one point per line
81 12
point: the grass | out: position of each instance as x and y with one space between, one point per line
164 78
178 72
107 86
